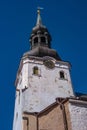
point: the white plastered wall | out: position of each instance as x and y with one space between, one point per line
43 89
78 115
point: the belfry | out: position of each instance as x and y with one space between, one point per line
45 99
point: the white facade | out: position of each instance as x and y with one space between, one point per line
36 92
17 123
42 89
78 114
45 87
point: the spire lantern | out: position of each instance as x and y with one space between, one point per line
40 36
40 40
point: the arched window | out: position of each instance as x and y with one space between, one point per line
62 76
35 70
35 40
43 40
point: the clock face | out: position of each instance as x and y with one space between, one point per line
49 64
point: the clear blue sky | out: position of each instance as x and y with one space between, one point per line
66 20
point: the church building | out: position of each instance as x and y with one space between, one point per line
45 99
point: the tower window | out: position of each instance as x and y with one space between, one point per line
36 40
62 76
43 40
35 70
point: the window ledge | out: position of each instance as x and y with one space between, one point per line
63 79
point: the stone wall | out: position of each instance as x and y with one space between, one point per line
52 118
29 122
78 114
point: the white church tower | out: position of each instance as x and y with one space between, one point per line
42 77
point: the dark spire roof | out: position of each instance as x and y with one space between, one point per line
40 40
40 35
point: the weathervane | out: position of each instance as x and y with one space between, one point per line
39 9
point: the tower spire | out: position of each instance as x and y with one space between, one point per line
40 36
39 20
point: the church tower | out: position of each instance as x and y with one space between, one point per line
43 79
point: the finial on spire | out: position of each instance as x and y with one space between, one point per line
38 10
39 20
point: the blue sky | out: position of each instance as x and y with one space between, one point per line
66 21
